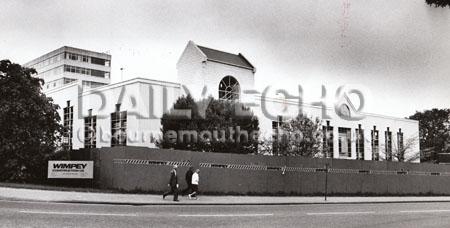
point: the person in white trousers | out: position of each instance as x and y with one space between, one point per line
195 180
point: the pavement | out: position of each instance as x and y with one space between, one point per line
21 194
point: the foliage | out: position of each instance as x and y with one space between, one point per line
434 128
210 120
438 3
265 147
301 136
29 127
406 153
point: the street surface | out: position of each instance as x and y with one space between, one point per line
43 214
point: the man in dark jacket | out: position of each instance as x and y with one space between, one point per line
173 184
188 181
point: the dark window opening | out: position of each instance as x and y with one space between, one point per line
98 61
97 73
229 88
328 146
388 144
276 130
118 127
345 142
375 145
90 129
359 143
68 127
401 148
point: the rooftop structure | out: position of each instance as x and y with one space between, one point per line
67 64
227 58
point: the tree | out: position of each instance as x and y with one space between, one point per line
265 146
434 128
209 125
301 136
438 3
406 152
29 127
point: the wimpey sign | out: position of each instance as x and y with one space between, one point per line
71 169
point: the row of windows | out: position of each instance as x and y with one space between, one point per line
51 72
51 60
68 80
59 82
78 70
89 84
119 135
71 56
87 59
63 81
77 57
345 144
86 71
74 69
118 130
344 141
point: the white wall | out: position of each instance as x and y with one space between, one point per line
214 72
190 69
141 97
146 100
136 100
60 97
410 128
195 72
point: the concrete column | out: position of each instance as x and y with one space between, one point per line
335 141
353 142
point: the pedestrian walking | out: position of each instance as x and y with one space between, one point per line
173 184
195 181
188 178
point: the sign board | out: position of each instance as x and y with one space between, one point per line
71 169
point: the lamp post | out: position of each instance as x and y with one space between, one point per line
326 180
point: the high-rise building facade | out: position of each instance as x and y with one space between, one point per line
67 64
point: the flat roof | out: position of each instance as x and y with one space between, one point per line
69 49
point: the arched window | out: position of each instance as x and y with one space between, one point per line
344 111
229 88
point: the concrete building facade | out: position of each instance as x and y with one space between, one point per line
129 112
67 64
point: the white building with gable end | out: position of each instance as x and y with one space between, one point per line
128 113
201 67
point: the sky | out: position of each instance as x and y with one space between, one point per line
396 51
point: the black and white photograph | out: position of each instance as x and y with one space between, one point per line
233 113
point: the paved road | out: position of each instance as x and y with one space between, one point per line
41 214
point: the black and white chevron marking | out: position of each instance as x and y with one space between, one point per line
276 168
151 162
